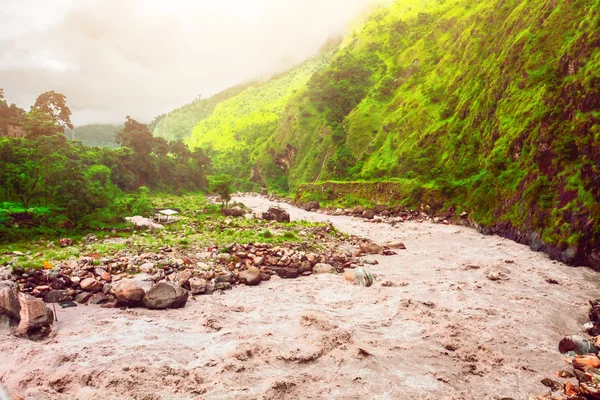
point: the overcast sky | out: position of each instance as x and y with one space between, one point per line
113 58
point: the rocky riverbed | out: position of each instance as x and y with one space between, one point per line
456 315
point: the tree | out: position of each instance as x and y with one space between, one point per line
55 105
136 136
179 150
160 147
37 123
221 185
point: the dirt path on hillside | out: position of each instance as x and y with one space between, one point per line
442 330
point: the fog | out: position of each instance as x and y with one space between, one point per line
113 58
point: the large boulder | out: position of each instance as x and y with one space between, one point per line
250 277
276 214
323 269
10 307
141 222
91 285
129 293
163 295
36 318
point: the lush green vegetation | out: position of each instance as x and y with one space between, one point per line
49 185
491 106
179 123
200 225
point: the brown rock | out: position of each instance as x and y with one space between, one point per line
586 361
250 277
370 248
128 293
36 318
322 268
90 285
399 246
197 285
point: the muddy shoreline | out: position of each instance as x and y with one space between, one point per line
433 326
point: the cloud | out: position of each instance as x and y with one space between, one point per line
113 58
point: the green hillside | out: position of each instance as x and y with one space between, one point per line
237 132
178 124
101 135
489 106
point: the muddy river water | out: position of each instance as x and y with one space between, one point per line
433 326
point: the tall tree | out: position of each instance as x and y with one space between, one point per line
37 123
55 105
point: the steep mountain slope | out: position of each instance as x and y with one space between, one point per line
238 130
489 106
179 123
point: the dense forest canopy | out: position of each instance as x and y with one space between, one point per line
50 183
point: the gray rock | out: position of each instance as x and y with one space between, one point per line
10 308
57 296
98 298
163 295
83 298
577 344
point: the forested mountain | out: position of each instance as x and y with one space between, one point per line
101 135
178 124
489 106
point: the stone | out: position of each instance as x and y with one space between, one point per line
284 272
163 295
322 268
65 242
368 214
57 296
98 298
398 245
276 214
250 277
312 206
83 298
18 253
184 277
197 285
141 222
236 211
35 318
128 293
583 362
222 286
147 267
370 248
90 285
10 308
305 267
225 277
258 261
359 276
577 344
